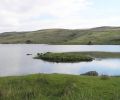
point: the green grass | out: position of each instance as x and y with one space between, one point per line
75 56
59 87
64 57
100 54
101 35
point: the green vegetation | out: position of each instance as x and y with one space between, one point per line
100 54
100 35
59 87
105 77
75 56
91 73
63 57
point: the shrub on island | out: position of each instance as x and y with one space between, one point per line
91 73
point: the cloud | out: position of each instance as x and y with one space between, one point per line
19 15
16 15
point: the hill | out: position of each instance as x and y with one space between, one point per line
100 35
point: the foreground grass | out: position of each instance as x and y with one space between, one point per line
59 87
64 57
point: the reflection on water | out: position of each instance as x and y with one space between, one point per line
14 61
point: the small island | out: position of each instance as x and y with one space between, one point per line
75 56
63 57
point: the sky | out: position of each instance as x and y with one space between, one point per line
29 15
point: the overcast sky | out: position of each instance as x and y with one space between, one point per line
27 15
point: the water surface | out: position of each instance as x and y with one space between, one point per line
14 61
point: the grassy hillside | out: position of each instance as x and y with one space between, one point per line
100 35
59 87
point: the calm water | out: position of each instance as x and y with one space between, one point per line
14 61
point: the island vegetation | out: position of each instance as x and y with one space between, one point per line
100 35
59 87
63 57
75 56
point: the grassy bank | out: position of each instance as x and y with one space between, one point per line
75 56
100 35
59 87
64 57
100 54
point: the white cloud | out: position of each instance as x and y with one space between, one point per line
19 15
16 15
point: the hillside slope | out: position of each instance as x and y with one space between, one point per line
99 35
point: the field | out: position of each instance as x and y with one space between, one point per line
99 35
59 87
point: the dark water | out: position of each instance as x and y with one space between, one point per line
14 61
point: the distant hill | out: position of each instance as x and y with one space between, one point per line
99 35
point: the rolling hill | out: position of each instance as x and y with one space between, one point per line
98 35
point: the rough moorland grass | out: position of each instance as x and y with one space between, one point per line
59 87
101 35
63 57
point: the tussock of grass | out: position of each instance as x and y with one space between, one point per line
105 77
